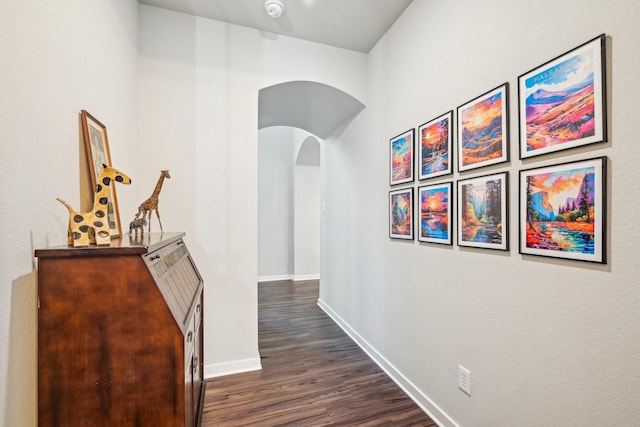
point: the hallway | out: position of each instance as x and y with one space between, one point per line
312 373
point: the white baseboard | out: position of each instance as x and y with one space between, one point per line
234 367
277 278
301 277
422 400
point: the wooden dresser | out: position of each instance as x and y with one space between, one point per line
120 334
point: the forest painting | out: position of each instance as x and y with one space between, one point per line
435 213
401 157
562 102
401 213
483 130
561 210
435 146
482 212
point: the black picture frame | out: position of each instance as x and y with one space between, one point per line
401 155
435 147
434 209
483 211
401 213
483 130
563 210
562 104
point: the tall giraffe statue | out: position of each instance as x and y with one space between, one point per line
93 226
151 203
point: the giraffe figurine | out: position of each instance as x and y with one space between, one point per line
151 203
93 226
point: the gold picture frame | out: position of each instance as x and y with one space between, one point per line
97 146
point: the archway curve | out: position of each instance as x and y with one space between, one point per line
315 107
309 152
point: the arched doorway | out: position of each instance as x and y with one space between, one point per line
293 119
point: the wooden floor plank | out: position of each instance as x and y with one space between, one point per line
312 373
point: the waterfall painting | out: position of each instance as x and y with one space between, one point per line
482 212
434 139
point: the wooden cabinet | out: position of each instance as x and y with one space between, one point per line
120 334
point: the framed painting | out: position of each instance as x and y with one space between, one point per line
562 210
401 214
97 146
434 157
562 103
483 212
483 130
401 157
435 213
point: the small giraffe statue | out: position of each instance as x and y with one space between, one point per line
93 226
151 203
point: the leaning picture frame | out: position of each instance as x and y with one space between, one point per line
562 103
434 147
401 157
401 214
483 130
97 146
434 219
563 210
482 212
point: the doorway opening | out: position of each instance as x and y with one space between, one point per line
294 119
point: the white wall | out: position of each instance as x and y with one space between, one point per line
558 351
57 59
307 210
548 342
288 205
276 214
199 82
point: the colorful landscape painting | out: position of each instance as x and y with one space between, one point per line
400 213
482 130
435 213
435 147
562 210
482 212
402 158
558 102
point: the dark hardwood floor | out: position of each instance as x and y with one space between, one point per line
312 373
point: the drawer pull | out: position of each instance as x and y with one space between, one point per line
189 336
198 309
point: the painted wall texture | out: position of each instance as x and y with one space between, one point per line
57 59
548 342
199 83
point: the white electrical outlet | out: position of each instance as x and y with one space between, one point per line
464 379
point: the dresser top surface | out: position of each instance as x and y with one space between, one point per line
125 245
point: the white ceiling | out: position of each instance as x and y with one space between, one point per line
351 24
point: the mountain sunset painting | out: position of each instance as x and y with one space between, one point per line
563 209
435 213
482 130
561 103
